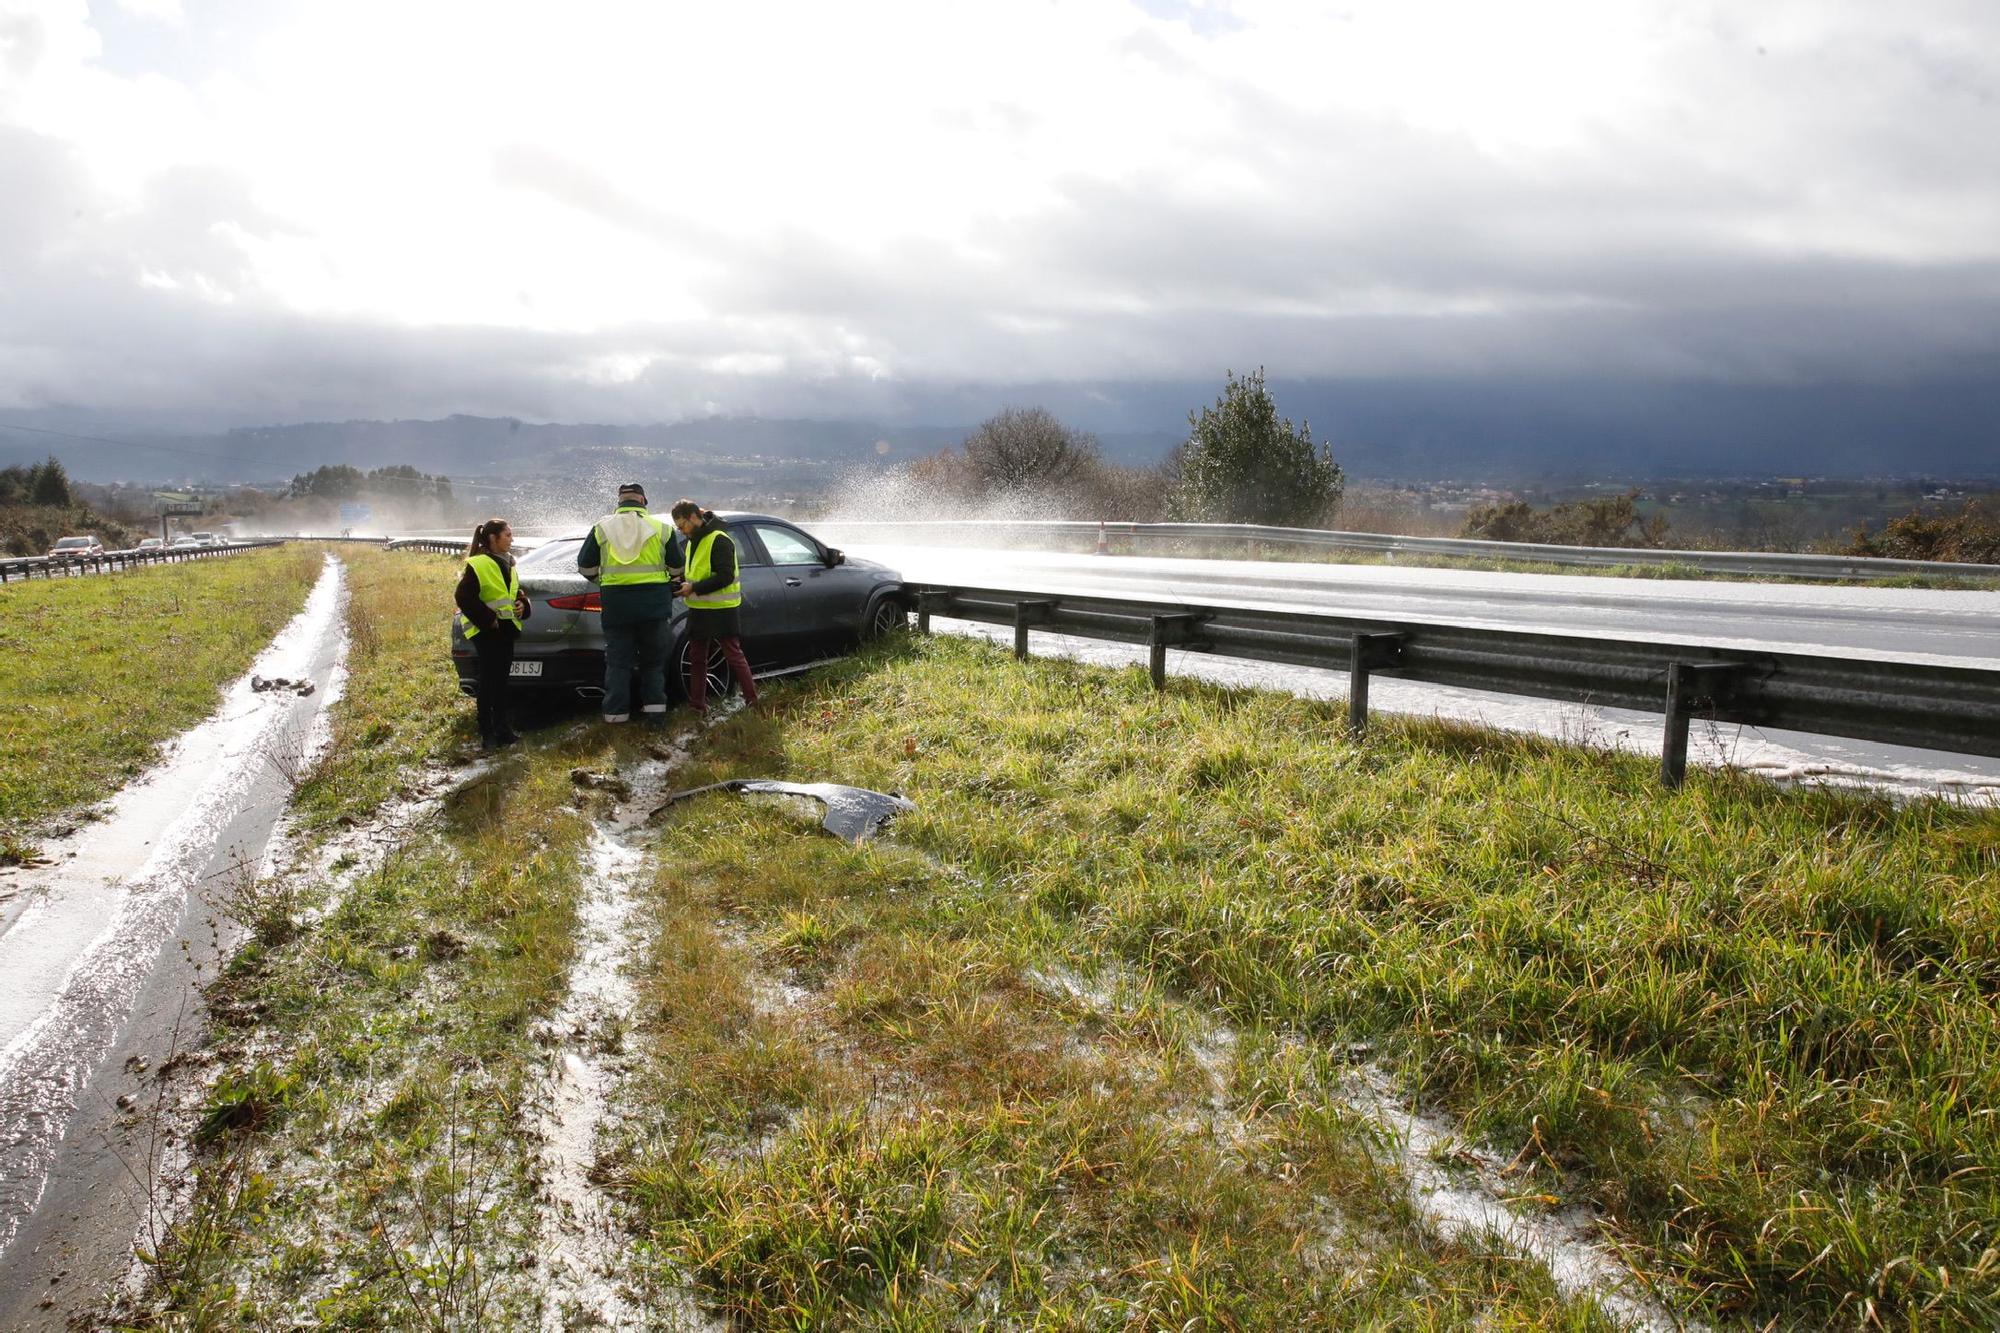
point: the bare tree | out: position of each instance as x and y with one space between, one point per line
1027 449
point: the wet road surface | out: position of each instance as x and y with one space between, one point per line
1918 624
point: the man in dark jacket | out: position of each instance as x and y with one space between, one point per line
634 560
713 593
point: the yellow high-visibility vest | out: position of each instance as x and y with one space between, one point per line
639 553
499 588
697 570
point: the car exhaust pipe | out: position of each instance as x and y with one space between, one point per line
589 691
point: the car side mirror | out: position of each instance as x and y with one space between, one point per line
835 557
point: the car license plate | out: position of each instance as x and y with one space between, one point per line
525 669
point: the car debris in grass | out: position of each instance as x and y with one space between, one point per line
853 813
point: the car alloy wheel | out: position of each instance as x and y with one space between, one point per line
889 617
721 684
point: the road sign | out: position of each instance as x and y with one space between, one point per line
180 507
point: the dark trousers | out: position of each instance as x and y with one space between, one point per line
496 658
732 653
639 646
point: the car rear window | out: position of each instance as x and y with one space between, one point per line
554 551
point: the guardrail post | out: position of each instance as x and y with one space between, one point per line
928 602
1367 653
1690 685
1031 611
1168 632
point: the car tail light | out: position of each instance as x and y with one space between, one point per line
581 601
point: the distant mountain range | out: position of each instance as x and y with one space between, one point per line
500 446
1464 430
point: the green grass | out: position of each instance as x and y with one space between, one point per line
1067 1048
361 1165
402 709
1756 1029
95 673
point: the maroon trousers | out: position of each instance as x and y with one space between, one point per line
739 666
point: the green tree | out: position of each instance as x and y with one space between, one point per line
337 481
402 480
1243 463
48 484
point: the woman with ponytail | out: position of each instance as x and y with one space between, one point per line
492 609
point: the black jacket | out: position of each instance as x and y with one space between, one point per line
475 610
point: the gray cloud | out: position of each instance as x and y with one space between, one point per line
1840 242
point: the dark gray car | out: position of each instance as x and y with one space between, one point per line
802 601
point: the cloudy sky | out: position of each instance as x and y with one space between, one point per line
240 211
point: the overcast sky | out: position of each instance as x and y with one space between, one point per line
237 211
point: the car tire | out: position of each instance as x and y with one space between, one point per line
886 617
721 683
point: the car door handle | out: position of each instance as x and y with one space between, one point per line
791 583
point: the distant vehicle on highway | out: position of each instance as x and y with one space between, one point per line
150 544
83 547
208 539
185 543
802 601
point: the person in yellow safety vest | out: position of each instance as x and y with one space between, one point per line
634 559
713 592
491 609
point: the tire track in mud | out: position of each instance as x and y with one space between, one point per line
583 1251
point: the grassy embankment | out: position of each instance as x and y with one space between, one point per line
1755 1028
401 709
1068 1047
96 672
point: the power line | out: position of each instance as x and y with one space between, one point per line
203 453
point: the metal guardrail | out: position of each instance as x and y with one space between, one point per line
433 545
1950 708
69 567
1765 564
44 567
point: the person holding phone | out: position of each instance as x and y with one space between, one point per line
713 593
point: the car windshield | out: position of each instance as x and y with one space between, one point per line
557 551
69 542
